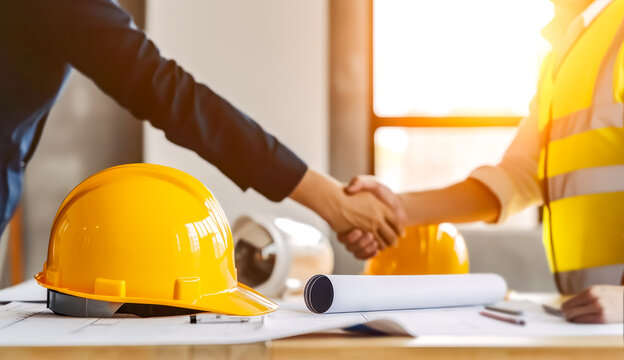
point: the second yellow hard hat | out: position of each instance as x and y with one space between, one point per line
426 249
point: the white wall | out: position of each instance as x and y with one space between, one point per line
267 57
86 132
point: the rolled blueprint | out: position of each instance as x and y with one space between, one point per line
354 293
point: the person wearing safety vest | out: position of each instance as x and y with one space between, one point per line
42 41
568 155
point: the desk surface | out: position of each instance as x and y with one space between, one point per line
343 346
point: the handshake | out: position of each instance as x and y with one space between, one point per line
371 219
367 216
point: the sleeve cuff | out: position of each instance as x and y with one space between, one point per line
495 179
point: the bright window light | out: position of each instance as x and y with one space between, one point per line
417 158
457 57
412 159
460 58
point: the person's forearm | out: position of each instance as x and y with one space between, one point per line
318 193
99 39
467 201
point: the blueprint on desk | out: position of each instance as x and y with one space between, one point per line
32 324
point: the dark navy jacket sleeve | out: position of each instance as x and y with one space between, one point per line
100 40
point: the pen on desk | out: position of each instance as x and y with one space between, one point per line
552 310
227 319
502 318
504 310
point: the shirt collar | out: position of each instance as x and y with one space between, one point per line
577 26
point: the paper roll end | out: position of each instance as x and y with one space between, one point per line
318 294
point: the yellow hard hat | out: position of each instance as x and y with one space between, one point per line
427 249
145 234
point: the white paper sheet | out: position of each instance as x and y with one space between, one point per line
31 324
26 291
467 321
348 293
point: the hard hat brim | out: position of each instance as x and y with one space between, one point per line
241 300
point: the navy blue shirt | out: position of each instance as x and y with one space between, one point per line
42 40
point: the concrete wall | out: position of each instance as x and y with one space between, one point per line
517 255
85 133
269 58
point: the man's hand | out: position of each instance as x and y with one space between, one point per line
597 304
361 244
365 212
345 212
382 192
357 241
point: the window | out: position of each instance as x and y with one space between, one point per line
451 79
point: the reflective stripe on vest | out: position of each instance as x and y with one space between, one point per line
581 122
594 180
571 282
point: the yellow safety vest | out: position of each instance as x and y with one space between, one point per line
581 123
